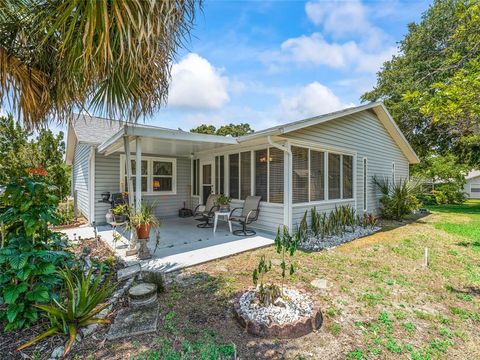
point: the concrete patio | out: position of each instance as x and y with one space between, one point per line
182 244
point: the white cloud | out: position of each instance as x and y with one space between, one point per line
315 50
346 18
197 84
311 100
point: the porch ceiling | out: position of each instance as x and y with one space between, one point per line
164 141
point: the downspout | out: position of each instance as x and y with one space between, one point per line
287 181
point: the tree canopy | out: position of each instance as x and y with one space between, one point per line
432 86
234 130
21 151
113 57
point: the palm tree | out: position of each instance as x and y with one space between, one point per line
109 56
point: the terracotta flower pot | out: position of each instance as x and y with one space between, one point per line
143 231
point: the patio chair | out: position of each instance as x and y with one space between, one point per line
249 214
206 212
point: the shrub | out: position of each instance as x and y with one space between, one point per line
427 199
398 199
84 298
448 194
65 213
32 252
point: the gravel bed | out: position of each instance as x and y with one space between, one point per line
296 306
314 243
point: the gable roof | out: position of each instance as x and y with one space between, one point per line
100 131
377 107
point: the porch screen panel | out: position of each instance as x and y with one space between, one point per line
220 174
334 176
347 177
276 176
317 175
245 174
233 175
299 174
261 172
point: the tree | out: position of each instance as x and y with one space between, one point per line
113 57
20 152
435 68
234 130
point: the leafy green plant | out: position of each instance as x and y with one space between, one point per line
267 293
84 300
65 213
146 216
31 252
223 200
285 243
398 199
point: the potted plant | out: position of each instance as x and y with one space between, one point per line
223 202
143 220
119 213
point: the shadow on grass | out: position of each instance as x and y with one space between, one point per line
468 290
474 245
387 225
471 207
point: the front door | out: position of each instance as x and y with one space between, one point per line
207 180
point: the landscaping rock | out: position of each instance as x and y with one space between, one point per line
142 294
57 353
313 243
154 277
319 284
128 272
134 321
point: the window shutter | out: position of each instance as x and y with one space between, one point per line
333 176
300 174
245 174
233 176
276 176
317 175
261 178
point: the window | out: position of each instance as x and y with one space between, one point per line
261 174
245 174
234 180
162 176
158 175
317 175
365 170
275 169
393 172
347 173
220 174
300 174
196 177
334 176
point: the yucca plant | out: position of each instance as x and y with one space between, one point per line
398 199
84 300
302 230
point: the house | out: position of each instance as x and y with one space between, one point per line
472 185
324 161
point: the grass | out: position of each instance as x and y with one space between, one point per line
381 302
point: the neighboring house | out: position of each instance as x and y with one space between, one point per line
472 185
324 161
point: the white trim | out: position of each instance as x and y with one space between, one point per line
365 183
150 176
322 202
91 188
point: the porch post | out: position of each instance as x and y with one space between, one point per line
128 157
138 174
287 187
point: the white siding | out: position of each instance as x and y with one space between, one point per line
472 183
269 218
107 178
299 211
365 135
80 177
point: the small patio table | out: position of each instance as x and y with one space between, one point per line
225 215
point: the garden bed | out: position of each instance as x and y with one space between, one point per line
293 315
316 243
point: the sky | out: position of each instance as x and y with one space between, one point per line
271 62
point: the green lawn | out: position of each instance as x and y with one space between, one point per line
381 302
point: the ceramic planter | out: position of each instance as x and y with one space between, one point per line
143 231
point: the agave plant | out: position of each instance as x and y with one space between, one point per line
84 300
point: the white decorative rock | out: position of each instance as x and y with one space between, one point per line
319 283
